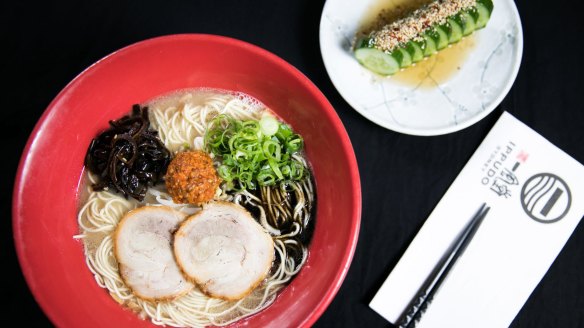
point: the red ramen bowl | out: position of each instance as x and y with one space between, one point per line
46 192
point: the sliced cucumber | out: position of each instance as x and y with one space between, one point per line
454 31
377 60
466 21
365 42
415 50
488 4
439 36
402 56
429 46
434 38
482 15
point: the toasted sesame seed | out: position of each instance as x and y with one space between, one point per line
412 26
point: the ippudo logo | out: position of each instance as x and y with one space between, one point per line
546 198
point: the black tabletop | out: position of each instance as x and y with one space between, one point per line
45 45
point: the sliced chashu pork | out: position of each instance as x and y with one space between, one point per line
224 250
143 248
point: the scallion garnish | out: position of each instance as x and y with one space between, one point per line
254 153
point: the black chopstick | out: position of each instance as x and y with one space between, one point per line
420 303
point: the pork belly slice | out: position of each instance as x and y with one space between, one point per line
143 248
224 250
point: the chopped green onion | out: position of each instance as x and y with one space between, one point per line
284 132
269 125
254 152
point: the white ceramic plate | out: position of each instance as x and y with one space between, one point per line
427 104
